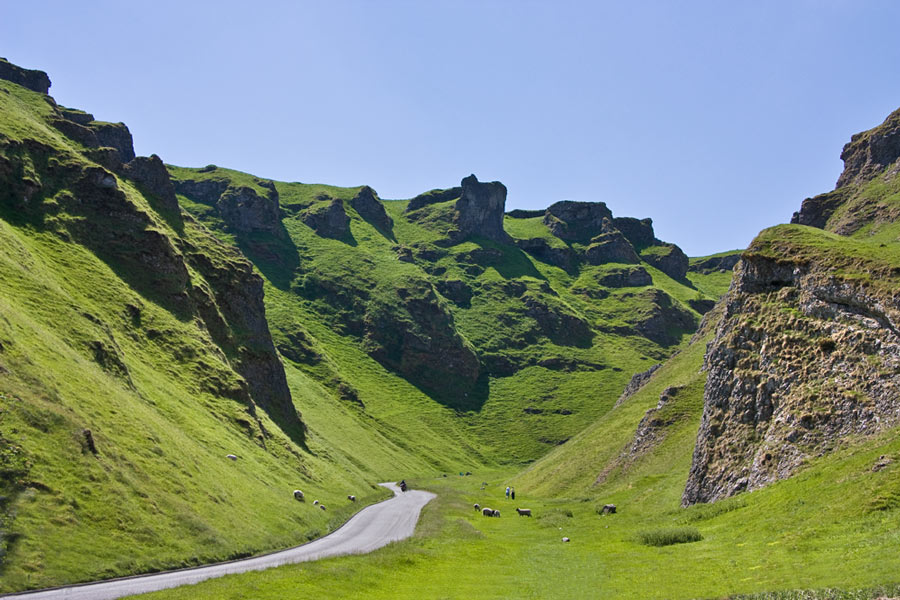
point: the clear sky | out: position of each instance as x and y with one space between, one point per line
714 118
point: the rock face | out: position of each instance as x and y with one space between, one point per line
481 207
801 360
115 135
564 258
151 174
870 152
637 382
637 231
610 247
426 350
36 81
433 197
716 263
370 208
243 208
619 277
664 321
328 220
576 221
668 258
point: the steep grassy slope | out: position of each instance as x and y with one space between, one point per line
134 356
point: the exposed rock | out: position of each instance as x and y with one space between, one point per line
244 210
637 231
715 263
525 214
115 135
882 462
204 191
370 208
816 211
668 258
78 116
433 197
637 382
608 509
576 221
36 81
455 290
610 247
153 177
481 207
564 258
417 338
870 152
801 360
558 323
662 320
618 277
651 429
701 305
328 220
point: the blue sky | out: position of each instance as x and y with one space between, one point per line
715 119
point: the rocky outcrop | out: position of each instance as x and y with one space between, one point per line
870 152
370 208
651 429
619 277
434 197
576 221
565 258
637 231
637 382
328 219
152 177
36 81
660 319
610 247
525 214
668 258
115 135
480 209
416 337
801 360
242 208
715 264
455 290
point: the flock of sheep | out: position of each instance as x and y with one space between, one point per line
490 512
298 496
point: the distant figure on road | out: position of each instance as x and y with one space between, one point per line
507 492
512 493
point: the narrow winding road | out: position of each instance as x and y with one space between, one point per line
371 528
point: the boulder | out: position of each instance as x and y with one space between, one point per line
610 247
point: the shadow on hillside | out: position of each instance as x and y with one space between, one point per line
509 262
277 258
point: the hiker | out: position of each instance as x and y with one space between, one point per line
507 492
512 493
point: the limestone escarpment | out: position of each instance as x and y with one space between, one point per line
244 209
801 360
36 81
870 152
370 208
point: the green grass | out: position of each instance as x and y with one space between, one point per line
668 536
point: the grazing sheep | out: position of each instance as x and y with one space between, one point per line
231 456
524 512
488 512
565 539
477 506
608 509
315 502
496 513
322 506
351 498
298 495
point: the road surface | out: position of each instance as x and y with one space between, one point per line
371 528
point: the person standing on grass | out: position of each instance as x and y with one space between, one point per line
512 493
507 492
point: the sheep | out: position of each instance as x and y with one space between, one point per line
351 498
496 513
298 495
565 539
488 512
231 456
322 506
608 509
315 502
477 507
524 512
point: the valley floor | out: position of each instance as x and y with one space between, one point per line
781 538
